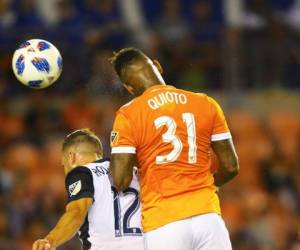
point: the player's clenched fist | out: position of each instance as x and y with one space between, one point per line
42 244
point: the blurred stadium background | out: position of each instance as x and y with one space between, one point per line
245 53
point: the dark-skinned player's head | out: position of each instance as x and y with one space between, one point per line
81 147
136 70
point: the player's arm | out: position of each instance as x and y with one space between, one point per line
121 169
70 222
223 146
67 226
228 161
123 156
80 188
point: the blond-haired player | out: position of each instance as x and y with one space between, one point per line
103 217
169 132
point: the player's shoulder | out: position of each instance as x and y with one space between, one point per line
204 100
204 96
212 101
79 183
76 176
132 107
78 170
128 105
198 95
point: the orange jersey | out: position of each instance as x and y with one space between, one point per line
171 130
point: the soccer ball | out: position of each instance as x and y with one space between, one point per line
37 63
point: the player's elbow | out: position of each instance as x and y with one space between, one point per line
234 171
226 172
228 159
233 167
230 166
121 184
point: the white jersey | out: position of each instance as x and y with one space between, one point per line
114 219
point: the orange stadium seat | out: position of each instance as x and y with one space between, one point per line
285 128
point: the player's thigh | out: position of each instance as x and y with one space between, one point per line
210 233
173 236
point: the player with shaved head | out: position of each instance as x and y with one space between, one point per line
169 133
103 217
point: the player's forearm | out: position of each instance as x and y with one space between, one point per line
66 227
223 176
229 163
121 169
227 170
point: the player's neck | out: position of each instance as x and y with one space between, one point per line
155 84
148 85
83 161
89 158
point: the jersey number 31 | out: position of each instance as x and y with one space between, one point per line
171 137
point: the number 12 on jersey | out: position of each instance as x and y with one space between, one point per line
122 225
170 137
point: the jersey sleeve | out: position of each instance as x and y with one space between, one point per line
79 184
220 129
122 136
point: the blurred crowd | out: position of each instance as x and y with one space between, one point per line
202 48
204 44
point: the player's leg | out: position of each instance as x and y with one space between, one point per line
210 233
173 236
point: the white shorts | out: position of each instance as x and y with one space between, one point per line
124 243
202 232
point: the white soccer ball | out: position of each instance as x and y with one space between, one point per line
37 63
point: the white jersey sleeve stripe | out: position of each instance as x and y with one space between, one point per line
124 149
221 136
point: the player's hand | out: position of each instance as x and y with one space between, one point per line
42 244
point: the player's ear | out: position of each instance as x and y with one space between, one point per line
158 66
72 158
